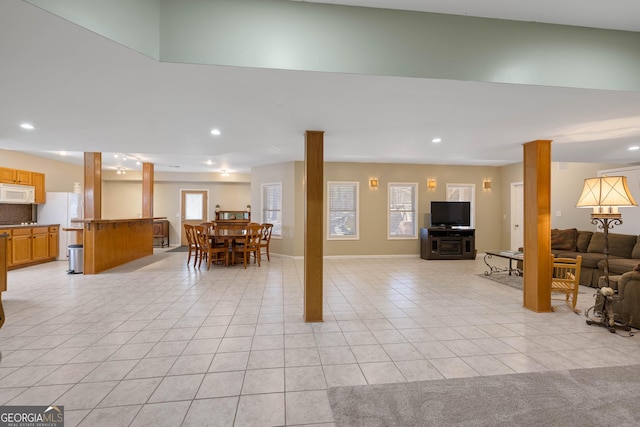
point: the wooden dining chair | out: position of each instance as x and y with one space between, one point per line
566 279
250 245
207 249
192 243
266 239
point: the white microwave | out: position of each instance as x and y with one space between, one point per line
11 193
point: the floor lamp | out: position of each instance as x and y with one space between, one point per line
605 195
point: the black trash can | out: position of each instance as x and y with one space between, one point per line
76 259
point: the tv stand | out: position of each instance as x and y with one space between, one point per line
447 243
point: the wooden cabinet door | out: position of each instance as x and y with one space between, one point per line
38 183
24 177
7 176
53 243
40 245
21 247
9 247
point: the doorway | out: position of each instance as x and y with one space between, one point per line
193 210
517 215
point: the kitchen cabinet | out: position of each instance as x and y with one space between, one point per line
21 246
54 234
37 180
3 270
9 243
40 244
31 245
16 176
7 176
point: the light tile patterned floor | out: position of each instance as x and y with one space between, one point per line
158 343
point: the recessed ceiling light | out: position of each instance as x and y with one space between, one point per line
274 149
436 140
209 162
63 153
215 132
633 148
27 126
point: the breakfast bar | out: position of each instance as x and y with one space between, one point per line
109 243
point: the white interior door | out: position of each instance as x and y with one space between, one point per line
517 215
194 204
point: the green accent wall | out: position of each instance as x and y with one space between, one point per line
282 34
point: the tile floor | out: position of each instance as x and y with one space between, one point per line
157 343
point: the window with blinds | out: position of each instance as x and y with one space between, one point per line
403 205
463 193
342 205
272 207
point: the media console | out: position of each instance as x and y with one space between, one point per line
447 243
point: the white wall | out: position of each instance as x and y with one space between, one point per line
631 215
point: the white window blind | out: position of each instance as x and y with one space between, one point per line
403 203
272 207
463 193
343 211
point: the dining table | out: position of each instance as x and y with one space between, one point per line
227 235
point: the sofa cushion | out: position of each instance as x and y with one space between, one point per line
635 253
588 260
619 244
582 242
619 265
564 240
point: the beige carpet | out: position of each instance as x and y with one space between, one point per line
580 397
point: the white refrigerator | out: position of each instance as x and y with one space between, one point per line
61 208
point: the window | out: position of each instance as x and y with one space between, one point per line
272 207
342 204
403 202
463 193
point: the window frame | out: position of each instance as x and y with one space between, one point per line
263 187
356 187
414 235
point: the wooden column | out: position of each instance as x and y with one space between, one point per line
147 190
93 185
313 214
537 226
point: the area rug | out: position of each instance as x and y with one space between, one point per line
504 279
581 397
179 249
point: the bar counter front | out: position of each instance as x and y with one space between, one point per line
108 243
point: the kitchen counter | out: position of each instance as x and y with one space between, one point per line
25 225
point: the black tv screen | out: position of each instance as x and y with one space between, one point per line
450 214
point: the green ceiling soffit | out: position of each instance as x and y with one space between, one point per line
291 35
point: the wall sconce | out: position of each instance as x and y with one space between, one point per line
431 184
486 185
121 171
373 183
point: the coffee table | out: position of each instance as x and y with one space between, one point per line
510 255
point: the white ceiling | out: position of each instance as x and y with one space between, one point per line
86 93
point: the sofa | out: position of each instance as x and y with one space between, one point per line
624 252
629 295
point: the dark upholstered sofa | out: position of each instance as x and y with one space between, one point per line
624 252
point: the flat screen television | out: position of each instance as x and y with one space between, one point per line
450 214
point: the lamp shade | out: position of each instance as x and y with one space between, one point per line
605 191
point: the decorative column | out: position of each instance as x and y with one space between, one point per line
147 190
93 185
537 226
313 214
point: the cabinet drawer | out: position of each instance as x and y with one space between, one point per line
54 228
40 230
21 231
